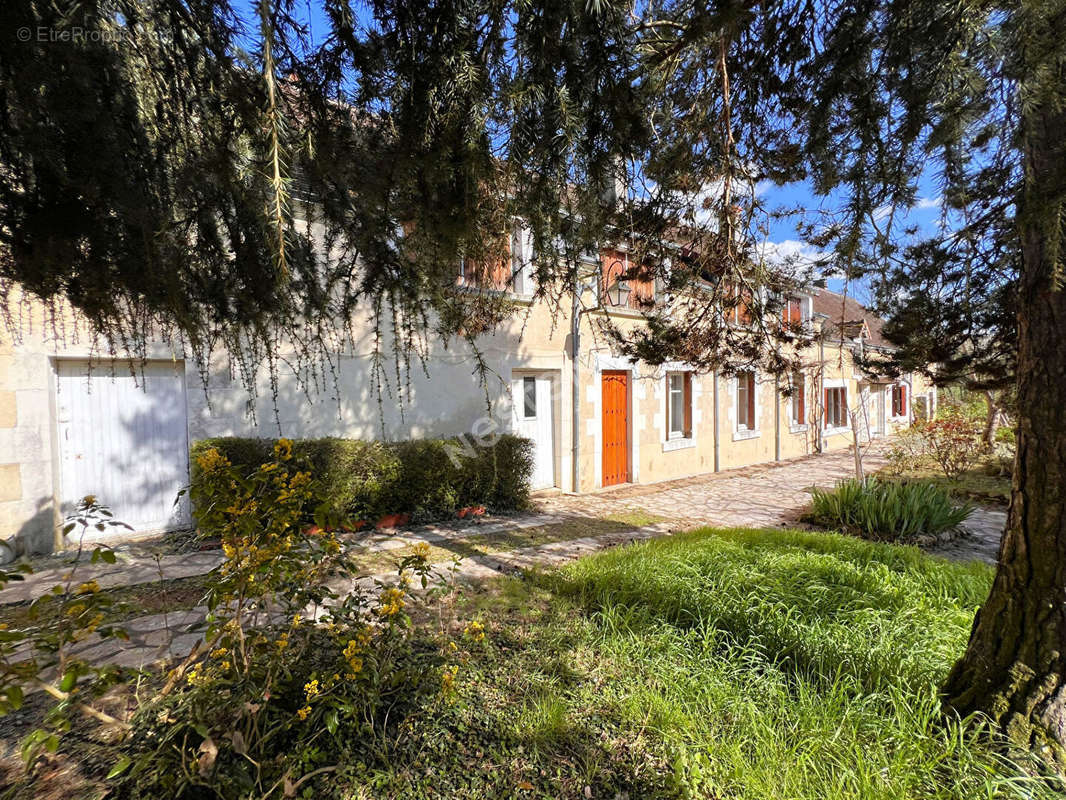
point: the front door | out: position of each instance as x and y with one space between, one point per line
532 396
123 438
615 428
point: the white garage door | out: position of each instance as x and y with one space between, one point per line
124 438
532 404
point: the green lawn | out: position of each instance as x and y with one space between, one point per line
717 664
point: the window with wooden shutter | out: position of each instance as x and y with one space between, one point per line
836 407
899 400
641 289
792 311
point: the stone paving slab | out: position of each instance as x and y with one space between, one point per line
984 530
161 637
126 571
131 569
762 495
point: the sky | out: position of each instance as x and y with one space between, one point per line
783 238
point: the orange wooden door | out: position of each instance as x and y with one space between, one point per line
615 428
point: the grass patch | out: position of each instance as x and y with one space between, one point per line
714 664
980 484
636 517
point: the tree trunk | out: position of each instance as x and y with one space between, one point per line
1014 668
991 420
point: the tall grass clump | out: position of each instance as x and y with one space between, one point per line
780 664
887 510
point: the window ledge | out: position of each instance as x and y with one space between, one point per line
798 428
678 444
836 431
739 436
518 297
619 311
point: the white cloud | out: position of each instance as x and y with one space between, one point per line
794 253
927 202
881 212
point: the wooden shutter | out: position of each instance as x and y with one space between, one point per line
613 265
801 400
792 311
688 405
825 421
742 400
751 400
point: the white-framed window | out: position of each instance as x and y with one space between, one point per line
836 407
747 408
679 405
529 397
798 401
521 260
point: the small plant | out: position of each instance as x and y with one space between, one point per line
908 451
887 510
38 656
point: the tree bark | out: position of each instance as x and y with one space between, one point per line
1014 668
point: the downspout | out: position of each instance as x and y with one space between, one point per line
820 422
777 417
575 382
714 378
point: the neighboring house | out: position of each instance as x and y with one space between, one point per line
123 434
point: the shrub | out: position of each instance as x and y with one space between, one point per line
953 440
887 510
362 480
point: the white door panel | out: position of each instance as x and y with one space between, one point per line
532 417
123 438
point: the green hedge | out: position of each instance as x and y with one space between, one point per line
367 480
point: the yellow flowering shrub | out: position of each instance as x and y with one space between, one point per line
293 663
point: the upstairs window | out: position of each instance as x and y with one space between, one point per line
899 400
836 407
521 261
479 275
679 405
738 305
792 311
746 419
799 399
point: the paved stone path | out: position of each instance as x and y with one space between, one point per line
762 495
984 529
